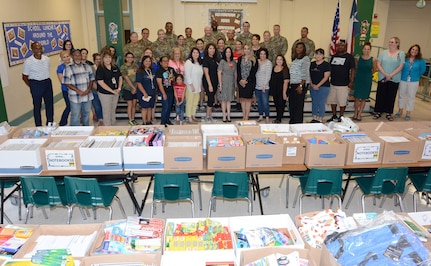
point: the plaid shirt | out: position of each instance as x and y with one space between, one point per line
80 77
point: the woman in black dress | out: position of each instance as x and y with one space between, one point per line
246 77
278 84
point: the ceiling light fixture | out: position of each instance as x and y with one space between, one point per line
421 4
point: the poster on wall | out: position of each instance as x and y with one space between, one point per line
227 19
20 35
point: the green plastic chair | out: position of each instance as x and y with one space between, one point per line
42 191
422 183
88 193
171 187
386 181
230 186
322 182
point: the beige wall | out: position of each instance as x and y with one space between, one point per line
400 18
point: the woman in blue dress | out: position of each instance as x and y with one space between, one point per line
146 93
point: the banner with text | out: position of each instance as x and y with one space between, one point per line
227 19
20 35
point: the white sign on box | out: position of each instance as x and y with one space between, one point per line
366 152
426 153
60 159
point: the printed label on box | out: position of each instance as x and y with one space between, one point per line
60 160
368 152
426 154
291 151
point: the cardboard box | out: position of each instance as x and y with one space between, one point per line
102 153
111 131
424 137
313 128
183 152
153 259
424 124
226 157
57 231
398 152
363 148
216 130
263 155
61 154
144 129
249 256
376 126
21 156
293 150
142 157
248 127
278 129
325 154
183 130
74 132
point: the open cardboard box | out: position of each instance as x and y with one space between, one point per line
142 157
74 132
363 152
333 154
424 137
226 157
216 130
183 152
111 131
260 155
249 256
399 147
102 158
64 156
293 149
313 128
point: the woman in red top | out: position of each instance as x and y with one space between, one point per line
180 97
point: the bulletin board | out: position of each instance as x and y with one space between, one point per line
227 19
20 35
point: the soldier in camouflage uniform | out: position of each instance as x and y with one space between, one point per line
278 42
134 47
145 43
189 41
170 37
230 39
246 35
208 37
161 47
268 45
184 49
309 44
217 34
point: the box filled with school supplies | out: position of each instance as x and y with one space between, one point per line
293 149
324 150
248 127
225 152
61 154
32 132
216 130
278 129
102 153
399 147
74 132
263 150
21 156
363 147
183 152
313 128
111 131
424 137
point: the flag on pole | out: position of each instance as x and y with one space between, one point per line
353 28
335 30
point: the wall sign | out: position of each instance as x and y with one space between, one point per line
20 35
227 19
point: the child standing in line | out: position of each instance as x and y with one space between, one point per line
180 97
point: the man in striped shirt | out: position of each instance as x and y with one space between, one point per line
79 78
35 75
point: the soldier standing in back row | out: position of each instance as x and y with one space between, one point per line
246 35
309 44
279 43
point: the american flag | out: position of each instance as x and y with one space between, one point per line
335 30
353 28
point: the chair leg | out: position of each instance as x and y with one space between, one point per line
249 207
84 217
296 196
94 213
29 207
121 206
200 194
300 203
406 190
400 200
8 220
415 204
31 211
340 203
110 212
323 202
351 196
363 203
193 208
287 189
44 213
19 206
152 209
281 181
383 201
87 212
210 206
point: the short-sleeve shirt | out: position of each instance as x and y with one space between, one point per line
180 89
60 70
340 69
130 72
110 77
390 63
168 77
37 69
212 66
79 76
317 72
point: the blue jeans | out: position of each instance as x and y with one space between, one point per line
80 111
262 102
97 105
179 110
66 112
318 100
166 107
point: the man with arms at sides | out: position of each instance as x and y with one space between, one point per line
208 36
216 33
170 36
279 43
246 35
35 75
79 78
230 42
145 33
343 70
309 44
189 41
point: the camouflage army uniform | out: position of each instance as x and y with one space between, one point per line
172 40
137 51
245 38
309 47
208 40
219 35
160 49
189 43
230 43
279 45
145 44
185 51
268 45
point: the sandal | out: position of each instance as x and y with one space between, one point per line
397 115
377 116
408 117
390 117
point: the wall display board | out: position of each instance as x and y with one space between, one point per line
20 35
227 19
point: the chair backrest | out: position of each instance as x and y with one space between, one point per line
41 191
230 185
171 186
324 181
84 192
427 182
389 180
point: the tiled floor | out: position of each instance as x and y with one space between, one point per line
274 203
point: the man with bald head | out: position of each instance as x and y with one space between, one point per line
208 37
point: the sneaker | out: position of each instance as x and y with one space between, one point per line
340 118
202 108
210 120
131 123
314 121
254 107
169 122
333 118
203 119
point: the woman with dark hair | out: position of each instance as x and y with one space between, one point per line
414 67
278 85
246 77
96 105
299 80
68 46
165 78
227 82
210 79
109 83
320 71
65 58
114 55
193 73
263 75
255 45
146 92
84 56
128 71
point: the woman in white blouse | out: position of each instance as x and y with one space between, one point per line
193 73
